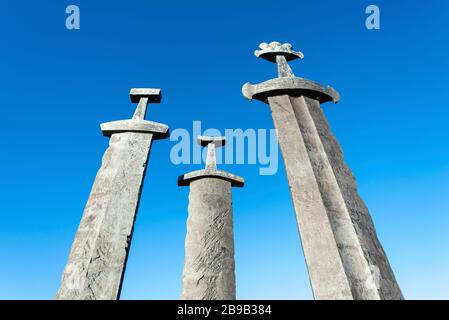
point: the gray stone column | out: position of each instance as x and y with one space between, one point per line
209 267
344 257
97 260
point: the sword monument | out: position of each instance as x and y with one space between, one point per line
99 252
344 257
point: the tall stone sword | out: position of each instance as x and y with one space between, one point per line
345 259
209 267
99 252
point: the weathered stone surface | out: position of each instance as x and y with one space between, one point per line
326 270
386 284
153 95
292 86
187 178
157 129
204 141
97 259
98 256
209 261
343 255
270 51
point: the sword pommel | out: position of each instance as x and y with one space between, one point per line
269 51
153 95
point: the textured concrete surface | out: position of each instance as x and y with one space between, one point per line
271 51
97 260
344 257
325 267
209 267
187 178
158 130
291 86
346 196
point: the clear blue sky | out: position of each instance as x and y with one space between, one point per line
57 86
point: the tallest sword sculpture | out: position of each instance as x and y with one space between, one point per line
344 257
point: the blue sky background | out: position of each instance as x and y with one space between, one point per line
57 86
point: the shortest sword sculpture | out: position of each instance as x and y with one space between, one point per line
209 266
99 252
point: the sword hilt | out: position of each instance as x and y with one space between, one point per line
143 97
211 143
